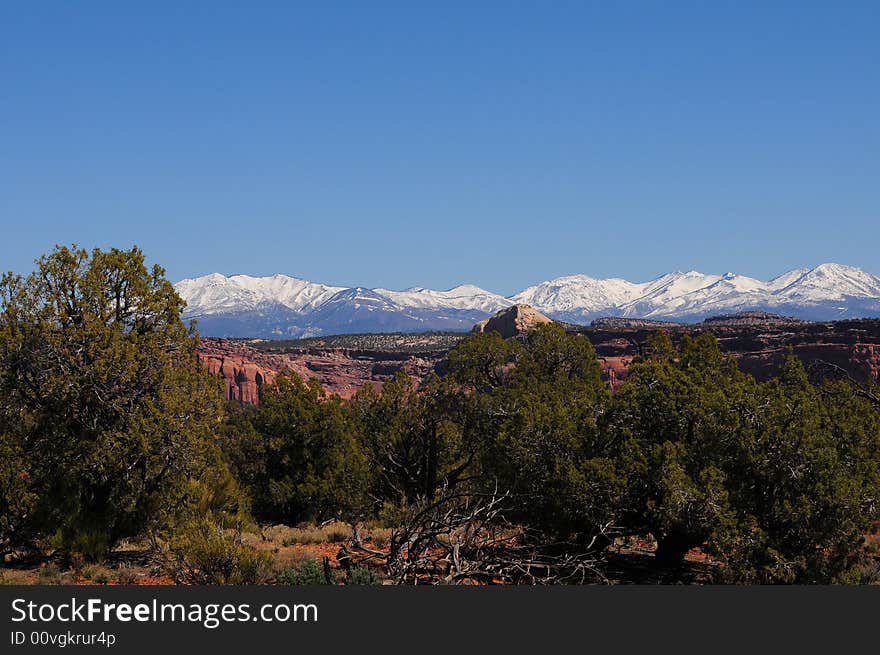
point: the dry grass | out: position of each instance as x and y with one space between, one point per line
50 574
126 574
379 537
289 557
283 547
282 535
311 534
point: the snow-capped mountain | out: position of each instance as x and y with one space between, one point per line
667 291
826 292
831 282
789 277
576 298
359 310
282 306
464 296
678 294
216 294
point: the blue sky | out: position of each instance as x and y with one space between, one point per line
390 144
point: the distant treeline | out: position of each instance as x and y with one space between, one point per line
403 342
518 466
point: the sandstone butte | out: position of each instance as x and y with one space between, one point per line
758 342
513 321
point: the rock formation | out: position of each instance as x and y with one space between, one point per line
758 342
760 347
246 370
243 378
512 321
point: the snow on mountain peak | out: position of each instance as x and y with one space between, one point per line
577 294
822 292
217 293
833 282
463 297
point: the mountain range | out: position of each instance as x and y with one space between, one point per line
280 306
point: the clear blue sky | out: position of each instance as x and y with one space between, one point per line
392 144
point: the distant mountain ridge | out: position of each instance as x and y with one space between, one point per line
282 306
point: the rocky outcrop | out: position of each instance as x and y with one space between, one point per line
759 346
512 321
243 377
246 370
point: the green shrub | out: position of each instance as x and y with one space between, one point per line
124 414
97 574
307 572
210 554
362 576
92 544
48 574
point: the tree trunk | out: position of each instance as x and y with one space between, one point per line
356 537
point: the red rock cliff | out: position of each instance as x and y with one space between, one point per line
852 345
246 370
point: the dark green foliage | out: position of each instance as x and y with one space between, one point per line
411 437
101 388
778 480
18 500
296 455
690 450
110 429
806 484
673 420
483 361
533 413
362 576
307 572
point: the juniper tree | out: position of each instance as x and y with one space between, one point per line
302 461
535 411
103 393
